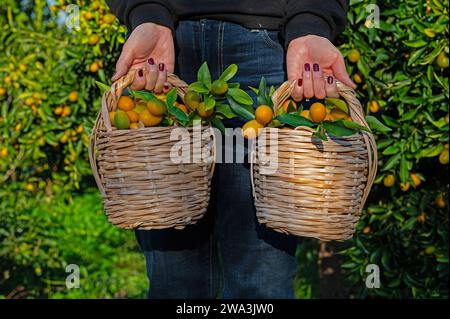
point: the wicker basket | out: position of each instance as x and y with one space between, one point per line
319 187
140 185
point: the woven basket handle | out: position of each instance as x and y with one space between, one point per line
357 114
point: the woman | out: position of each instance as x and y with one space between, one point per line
228 254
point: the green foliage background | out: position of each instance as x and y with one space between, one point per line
51 216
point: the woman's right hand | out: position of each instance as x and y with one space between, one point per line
149 48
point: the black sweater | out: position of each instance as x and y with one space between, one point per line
294 18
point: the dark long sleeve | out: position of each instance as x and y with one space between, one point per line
326 18
135 12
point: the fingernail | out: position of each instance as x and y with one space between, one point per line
330 80
316 67
307 67
151 61
161 66
141 73
166 87
300 82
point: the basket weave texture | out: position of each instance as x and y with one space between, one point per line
319 187
141 186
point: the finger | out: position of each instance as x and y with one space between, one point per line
318 82
167 86
308 90
139 81
123 64
297 94
340 72
162 77
151 74
330 87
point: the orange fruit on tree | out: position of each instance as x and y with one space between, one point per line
443 157
442 60
149 119
2 91
389 180
94 67
58 110
416 180
125 103
93 39
109 18
29 101
263 114
251 129
73 96
353 55
317 112
440 201
366 230
374 107
421 218
405 187
202 112
133 116
157 107
66 111
286 104
357 78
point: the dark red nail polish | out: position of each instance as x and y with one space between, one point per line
300 82
307 67
161 66
141 73
330 80
316 67
151 61
166 87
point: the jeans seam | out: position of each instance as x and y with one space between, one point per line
268 40
220 46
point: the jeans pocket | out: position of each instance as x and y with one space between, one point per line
271 39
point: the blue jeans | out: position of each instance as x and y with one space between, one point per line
228 253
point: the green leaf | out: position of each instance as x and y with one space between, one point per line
262 92
404 169
218 124
415 43
144 95
320 133
391 162
171 97
103 87
178 114
239 110
294 120
337 130
355 126
198 87
431 151
339 103
240 96
229 72
376 125
203 74
393 149
209 102
225 110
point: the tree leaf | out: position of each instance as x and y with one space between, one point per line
229 72
103 87
376 125
225 110
218 124
337 130
209 102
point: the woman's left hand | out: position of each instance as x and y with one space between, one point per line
315 63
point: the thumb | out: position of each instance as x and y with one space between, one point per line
340 72
123 64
